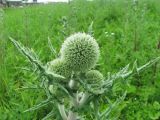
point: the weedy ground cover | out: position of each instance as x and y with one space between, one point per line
125 31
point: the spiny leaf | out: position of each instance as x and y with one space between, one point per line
125 72
90 29
42 104
51 47
49 115
34 60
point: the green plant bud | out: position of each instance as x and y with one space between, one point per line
60 67
94 76
80 51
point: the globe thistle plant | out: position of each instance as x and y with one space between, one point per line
80 51
86 89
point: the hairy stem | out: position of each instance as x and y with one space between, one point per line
83 99
72 116
62 112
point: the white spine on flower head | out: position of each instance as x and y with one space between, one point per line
80 51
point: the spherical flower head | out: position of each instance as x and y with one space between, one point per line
60 67
94 76
80 51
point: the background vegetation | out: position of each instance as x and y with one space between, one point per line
126 31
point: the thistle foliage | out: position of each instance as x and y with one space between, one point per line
79 53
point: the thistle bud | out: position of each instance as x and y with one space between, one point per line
59 67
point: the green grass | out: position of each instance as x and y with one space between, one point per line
136 37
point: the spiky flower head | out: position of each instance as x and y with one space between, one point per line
80 51
60 67
94 76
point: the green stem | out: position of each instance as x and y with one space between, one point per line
72 116
83 99
62 112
